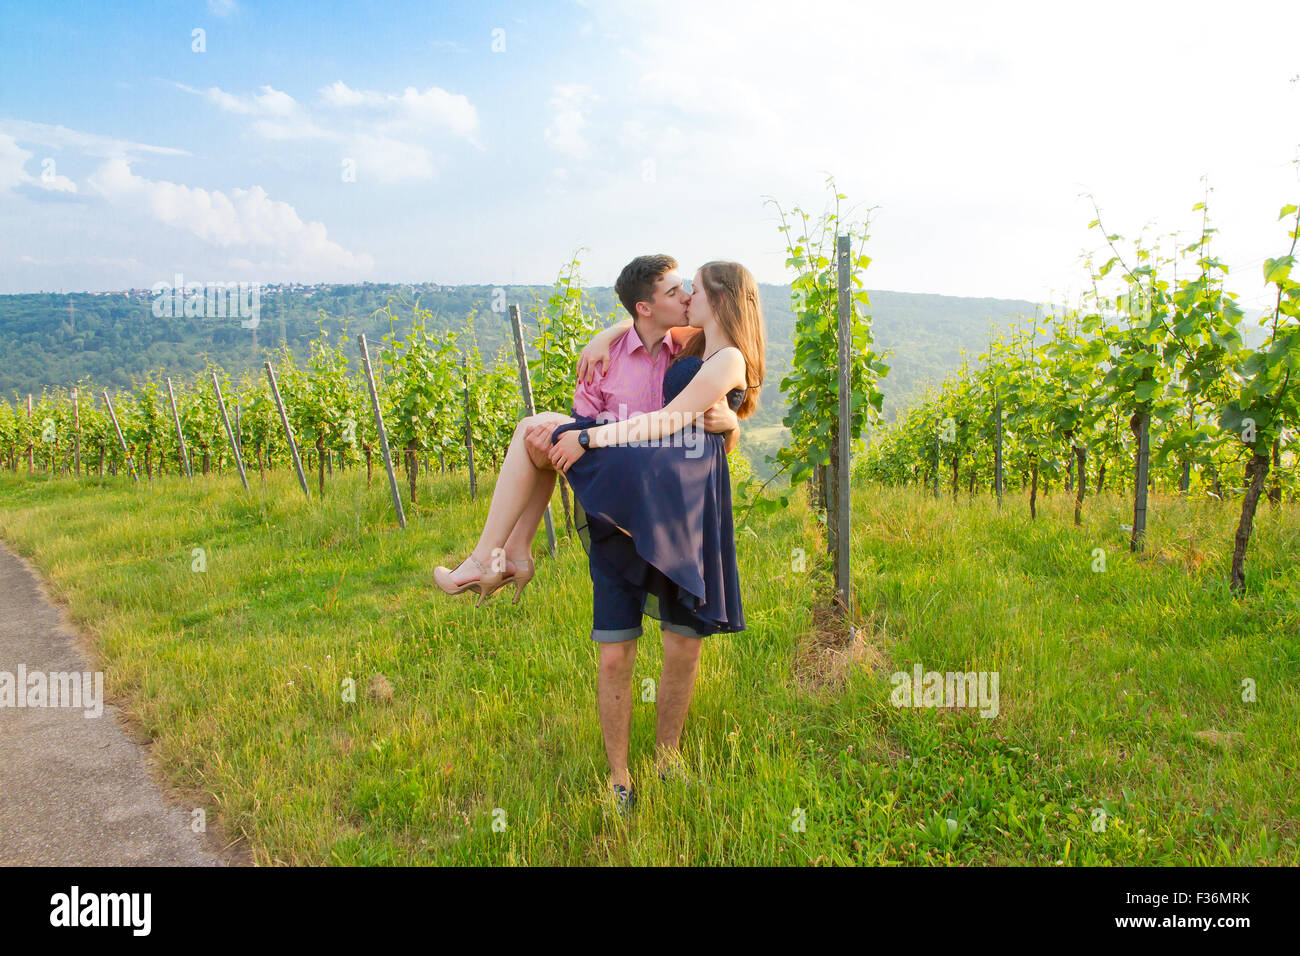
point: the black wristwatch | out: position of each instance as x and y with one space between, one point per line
584 439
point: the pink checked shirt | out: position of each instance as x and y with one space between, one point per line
631 383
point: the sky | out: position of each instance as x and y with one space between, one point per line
487 142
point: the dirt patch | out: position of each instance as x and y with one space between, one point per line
827 654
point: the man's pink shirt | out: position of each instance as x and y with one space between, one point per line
632 383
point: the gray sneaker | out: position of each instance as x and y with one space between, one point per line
624 798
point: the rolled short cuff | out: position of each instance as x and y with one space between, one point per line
608 636
682 629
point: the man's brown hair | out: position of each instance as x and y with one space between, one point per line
636 283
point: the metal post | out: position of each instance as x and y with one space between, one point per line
230 432
180 434
284 420
526 388
842 250
379 426
113 415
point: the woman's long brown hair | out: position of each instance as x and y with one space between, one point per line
733 296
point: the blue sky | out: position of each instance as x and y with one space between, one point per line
485 142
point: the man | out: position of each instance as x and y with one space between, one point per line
631 383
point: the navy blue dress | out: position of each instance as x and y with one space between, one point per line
674 499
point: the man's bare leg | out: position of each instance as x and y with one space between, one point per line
614 700
676 687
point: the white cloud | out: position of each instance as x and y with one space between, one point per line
410 111
387 135
389 160
13 170
269 102
92 144
565 133
247 217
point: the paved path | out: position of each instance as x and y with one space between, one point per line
76 791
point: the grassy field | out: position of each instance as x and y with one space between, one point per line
1120 690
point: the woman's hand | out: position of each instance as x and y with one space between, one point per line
566 451
594 357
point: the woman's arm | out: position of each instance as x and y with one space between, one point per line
709 385
596 352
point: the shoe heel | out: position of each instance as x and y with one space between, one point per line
520 581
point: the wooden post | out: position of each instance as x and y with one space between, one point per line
230 432
31 445
997 454
76 429
180 435
842 513
1137 542
469 433
383 435
117 428
288 432
526 389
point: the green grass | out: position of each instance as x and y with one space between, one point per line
1106 680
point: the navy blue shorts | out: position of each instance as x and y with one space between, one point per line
617 605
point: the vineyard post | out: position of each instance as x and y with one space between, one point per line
997 454
284 420
76 429
239 427
1142 427
180 435
526 388
469 431
31 445
379 426
842 469
230 432
117 428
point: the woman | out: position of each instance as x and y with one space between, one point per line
665 489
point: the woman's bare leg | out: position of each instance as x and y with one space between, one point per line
519 546
515 490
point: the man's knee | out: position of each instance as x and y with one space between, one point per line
617 660
681 648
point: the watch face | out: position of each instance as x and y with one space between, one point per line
584 438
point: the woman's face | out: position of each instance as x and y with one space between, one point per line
698 311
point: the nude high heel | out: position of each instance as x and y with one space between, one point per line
525 569
485 585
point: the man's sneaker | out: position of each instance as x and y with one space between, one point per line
624 798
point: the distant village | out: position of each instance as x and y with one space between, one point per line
305 289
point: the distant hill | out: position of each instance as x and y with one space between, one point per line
52 340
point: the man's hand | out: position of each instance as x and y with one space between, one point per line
566 451
537 441
720 417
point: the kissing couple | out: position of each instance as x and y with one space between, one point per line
655 412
